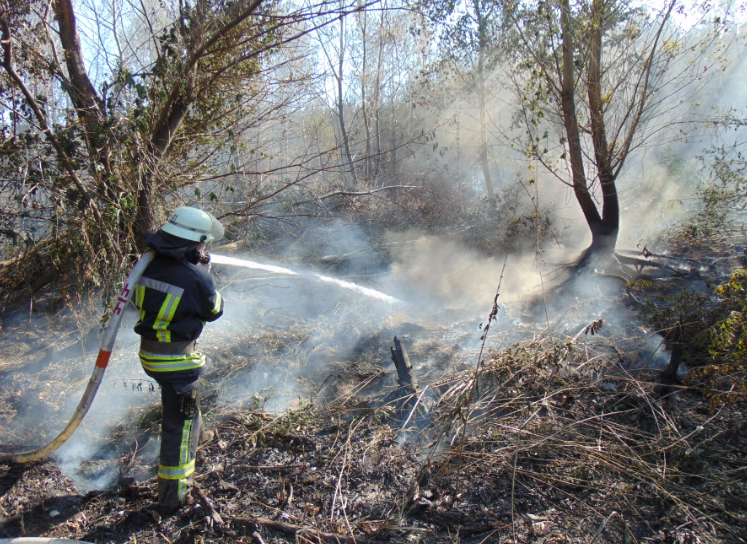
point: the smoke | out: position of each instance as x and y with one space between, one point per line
435 274
43 391
109 431
288 330
282 337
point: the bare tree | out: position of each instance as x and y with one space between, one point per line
471 33
335 55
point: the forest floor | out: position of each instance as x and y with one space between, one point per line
554 438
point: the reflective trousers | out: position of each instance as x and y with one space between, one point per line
180 432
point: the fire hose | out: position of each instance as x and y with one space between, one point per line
102 360
37 540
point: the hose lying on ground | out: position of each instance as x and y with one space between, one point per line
38 540
107 343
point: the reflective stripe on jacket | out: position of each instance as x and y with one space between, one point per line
155 362
175 298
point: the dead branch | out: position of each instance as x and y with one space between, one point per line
356 193
212 518
640 264
295 530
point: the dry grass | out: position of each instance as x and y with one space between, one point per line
545 441
538 449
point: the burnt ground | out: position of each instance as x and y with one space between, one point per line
553 438
522 449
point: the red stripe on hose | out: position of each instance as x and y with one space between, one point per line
103 359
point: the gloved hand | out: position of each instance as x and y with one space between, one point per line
204 258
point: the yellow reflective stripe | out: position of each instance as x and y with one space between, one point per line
168 308
218 301
169 363
165 315
160 325
178 472
184 446
139 295
161 357
172 310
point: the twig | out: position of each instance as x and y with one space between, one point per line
288 499
345 462
212 518
356 193
601 528
279 468
404 425
295 530
697 429
132 458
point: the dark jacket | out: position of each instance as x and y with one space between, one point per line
176 295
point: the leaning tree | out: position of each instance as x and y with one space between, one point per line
597 80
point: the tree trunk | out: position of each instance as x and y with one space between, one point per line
364 105
481 99
604 235
82 95
404 397
405 375
604 229
377 94
145 217
668 376
341 106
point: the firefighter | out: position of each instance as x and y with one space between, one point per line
175 297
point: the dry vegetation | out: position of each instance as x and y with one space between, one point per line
546 441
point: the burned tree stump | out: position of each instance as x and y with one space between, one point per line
405 374
405 397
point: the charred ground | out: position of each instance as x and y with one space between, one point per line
555 435
539 455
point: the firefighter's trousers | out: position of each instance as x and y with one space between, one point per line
180 432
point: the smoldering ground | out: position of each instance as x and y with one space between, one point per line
278 338
282 337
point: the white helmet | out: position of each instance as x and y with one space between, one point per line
193 224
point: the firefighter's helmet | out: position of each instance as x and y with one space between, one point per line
193 224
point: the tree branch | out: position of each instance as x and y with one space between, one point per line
171 117
83 94
644 92
7 63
